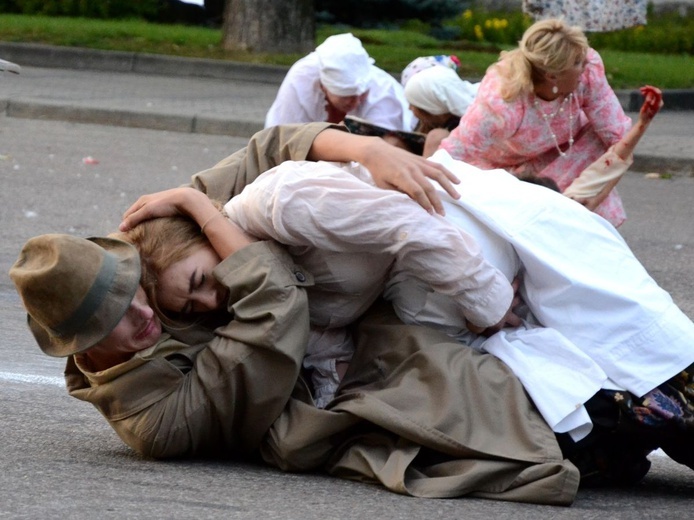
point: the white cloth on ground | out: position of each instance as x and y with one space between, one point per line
320 208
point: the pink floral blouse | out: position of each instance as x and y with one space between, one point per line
515 136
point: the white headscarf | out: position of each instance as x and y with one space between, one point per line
424 62
345 66
439 90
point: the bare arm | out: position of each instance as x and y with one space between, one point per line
225 236
604 174
433 140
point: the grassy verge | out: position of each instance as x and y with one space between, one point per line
392 50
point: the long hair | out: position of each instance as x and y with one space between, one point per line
548 46
161 243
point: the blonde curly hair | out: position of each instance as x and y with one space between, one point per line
548 46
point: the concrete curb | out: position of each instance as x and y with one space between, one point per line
127 118
676 166
37 55
674 99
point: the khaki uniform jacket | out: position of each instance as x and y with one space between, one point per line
417 413
218 397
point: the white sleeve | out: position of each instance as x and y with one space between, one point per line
321 205
596 176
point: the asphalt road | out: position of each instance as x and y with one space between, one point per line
60 459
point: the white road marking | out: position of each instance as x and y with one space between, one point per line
32 379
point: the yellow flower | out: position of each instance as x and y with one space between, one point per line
467 14
500 24
478 32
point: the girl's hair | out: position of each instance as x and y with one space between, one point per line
548 46
161 243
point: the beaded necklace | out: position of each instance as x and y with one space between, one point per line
548 118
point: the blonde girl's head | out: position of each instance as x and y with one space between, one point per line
161 243
547 47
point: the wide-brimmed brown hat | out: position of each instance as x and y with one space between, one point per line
75 290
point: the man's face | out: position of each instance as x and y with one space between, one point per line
138 329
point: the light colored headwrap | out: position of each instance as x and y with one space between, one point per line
345 66
439 90
425 62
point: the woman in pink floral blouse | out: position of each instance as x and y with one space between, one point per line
545 109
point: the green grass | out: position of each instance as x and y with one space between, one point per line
625 69
392 50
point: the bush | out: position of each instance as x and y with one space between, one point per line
504 28
665 33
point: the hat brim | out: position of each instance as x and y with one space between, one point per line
110 311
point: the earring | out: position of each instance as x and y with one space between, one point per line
555 89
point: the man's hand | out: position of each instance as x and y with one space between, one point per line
391 167
395 168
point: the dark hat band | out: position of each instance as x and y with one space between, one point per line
95 296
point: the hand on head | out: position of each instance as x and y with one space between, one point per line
168 203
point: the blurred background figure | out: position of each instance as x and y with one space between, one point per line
424 62
337 79
438 97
